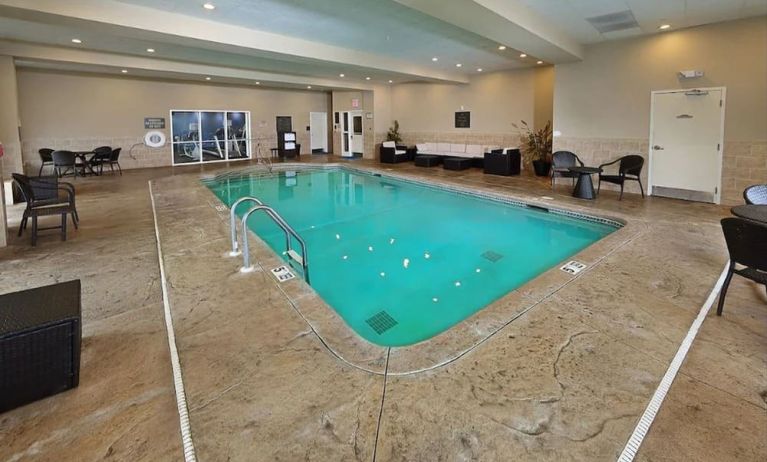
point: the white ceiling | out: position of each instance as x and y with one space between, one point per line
570 15
311 42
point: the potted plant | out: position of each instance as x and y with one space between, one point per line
393 133
537 144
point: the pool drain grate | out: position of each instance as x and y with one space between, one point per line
492 256
381 322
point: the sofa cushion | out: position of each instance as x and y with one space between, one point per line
389 144
400 151
474 149
457 148
443 147
423 147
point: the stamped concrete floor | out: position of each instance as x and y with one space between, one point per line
566 381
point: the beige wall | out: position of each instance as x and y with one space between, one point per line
602 104
79 111
544 96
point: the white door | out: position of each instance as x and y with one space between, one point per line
357 139
687 128
318 128
346 134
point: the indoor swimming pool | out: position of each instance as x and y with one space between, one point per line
401 261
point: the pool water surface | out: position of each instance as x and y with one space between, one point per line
401 262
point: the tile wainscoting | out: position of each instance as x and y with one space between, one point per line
744 163
134 153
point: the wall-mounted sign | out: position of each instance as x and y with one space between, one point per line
355 102
463 119
154 123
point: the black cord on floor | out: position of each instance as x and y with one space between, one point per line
383 397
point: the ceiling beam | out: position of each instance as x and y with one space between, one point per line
177 28
100 60
507 22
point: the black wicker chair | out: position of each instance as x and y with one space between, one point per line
46 196
629 169
45 159
103 155
561 161
747 245
756 194
65 162
394 154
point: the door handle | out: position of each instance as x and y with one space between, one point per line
658 148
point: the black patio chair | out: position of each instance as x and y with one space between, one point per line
102 155
756 194
45 159
65 162
561 161
747 245
114 159
629 169
46 196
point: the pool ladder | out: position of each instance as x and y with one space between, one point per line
292 255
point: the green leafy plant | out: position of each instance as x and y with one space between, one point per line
537 143
393 133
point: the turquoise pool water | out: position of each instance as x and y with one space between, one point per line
401 262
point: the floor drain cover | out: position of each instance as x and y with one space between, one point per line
492 256
381 322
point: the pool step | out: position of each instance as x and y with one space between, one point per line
296 257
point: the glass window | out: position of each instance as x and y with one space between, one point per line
237 130
209 136
186 131
213 136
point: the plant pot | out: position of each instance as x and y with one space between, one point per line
541 167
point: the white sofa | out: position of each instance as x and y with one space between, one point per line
471 151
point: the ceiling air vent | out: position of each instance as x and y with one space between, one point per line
612 22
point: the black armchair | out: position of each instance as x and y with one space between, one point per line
756 194
46 196
747 245
391 153
629 168
101 156
500 163
45 159
561 161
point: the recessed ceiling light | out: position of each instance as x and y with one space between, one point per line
664 26
435 59
309 87
209 6
539 62
391 81
501 47
458 65
76 40
150 50
342 75
523 55
479 70
367 78
207 78
258 83
124 71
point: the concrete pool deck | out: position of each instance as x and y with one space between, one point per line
565 381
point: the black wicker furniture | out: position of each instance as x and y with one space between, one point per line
46 196
425 160
45 159
391 153
747 245
584 187
756 194
629 169
506 164
40 334
457 163
561 161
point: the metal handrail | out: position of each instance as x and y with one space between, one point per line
233 219
289 231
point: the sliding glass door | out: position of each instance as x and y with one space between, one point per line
209 136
